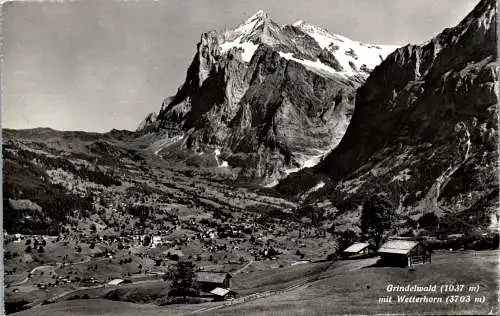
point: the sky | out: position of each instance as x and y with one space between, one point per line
98 65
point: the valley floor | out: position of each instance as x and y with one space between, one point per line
333 288
126 213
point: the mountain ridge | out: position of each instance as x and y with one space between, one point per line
261 93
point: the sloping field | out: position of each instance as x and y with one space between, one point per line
358 291
346 287
94 307
275 279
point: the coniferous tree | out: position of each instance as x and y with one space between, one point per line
376 218
183 279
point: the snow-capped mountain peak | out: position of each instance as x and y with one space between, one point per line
259 15
243 36
335 54
353 56
239 75
252 23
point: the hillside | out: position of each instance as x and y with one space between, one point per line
348 287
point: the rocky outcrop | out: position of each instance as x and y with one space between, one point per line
423 121
271 99
148 121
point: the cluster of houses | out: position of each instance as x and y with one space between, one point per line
397 251
18 238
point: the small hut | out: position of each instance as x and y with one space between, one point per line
221 294
359 249
404 252
211 280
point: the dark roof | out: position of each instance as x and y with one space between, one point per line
213 277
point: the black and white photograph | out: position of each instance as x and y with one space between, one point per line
237 157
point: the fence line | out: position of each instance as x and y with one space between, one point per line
258 295
255 296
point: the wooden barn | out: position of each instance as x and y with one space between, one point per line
403 252
211 280
359 249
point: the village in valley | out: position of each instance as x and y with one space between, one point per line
294 171
237 245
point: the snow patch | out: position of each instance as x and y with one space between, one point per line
251 23
317 65
248 48
318 186
347 51
244 29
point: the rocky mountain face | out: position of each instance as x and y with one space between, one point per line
265 99
424 128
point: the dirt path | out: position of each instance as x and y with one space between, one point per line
54 265
31 272
66 293
244 267
20 282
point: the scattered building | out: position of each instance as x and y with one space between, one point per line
211 280
18 238
156 241
359 249
221 294
404 252
116 282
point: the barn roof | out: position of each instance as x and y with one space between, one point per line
398 246
219 291
213 277
356 247
115 281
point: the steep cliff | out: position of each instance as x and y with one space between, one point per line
424 129
266 99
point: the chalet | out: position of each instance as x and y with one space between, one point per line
403 252
211 280
221 294
359 249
